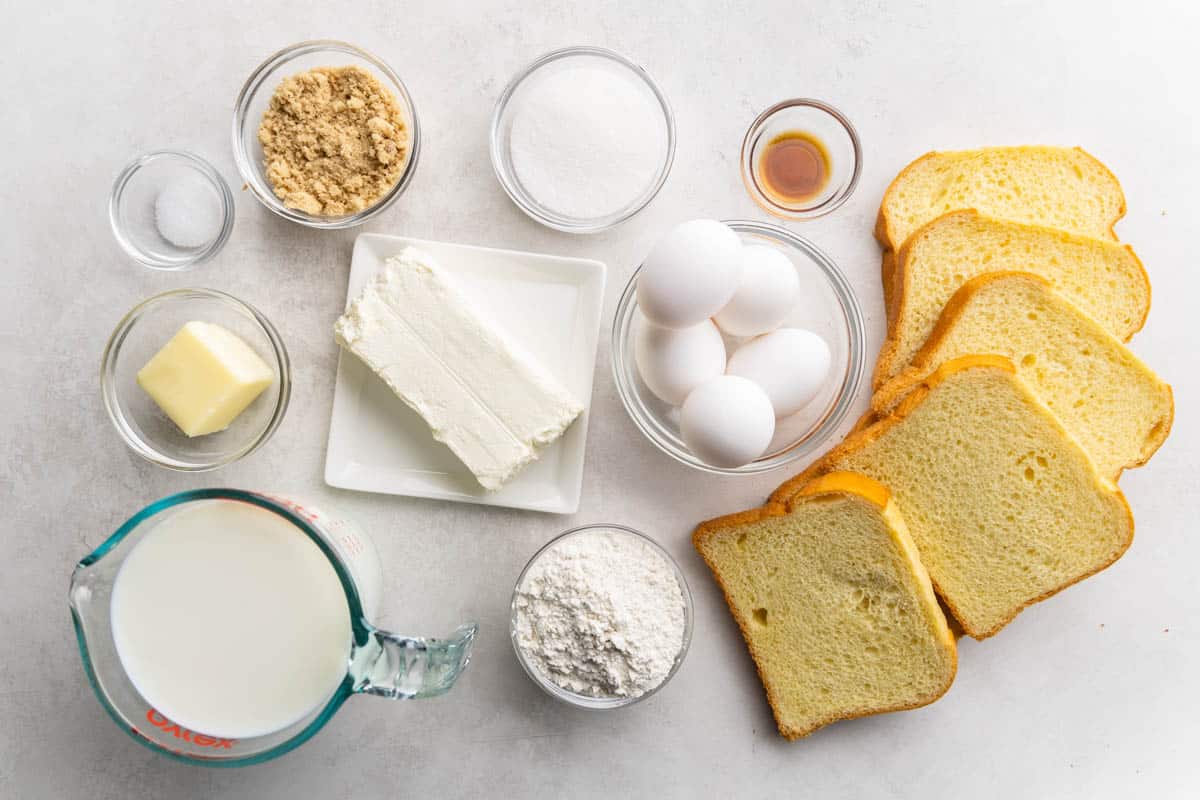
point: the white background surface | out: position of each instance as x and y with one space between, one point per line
1092 694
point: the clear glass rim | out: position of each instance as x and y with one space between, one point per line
360 628
116 412
768 203
503 168
141 256
252 174
585 701
856 335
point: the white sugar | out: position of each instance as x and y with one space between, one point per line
587 142
188 212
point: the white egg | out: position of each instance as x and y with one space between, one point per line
789 364
765 294
672 362
727 422
690 274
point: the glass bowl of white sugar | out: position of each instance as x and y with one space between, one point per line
601 617
170 210
582 139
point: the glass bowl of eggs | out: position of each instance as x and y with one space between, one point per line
738 346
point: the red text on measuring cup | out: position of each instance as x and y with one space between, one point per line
179 732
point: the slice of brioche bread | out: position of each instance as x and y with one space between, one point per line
1105 279
833 602
1060 187
1111 402
1005 507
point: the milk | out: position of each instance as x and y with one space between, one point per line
230 621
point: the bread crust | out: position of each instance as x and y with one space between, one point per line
886 270
889 394
856 441
845 484
897 298
887 265
896 304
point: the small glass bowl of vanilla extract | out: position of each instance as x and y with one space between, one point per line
801 159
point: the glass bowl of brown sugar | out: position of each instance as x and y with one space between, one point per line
313 199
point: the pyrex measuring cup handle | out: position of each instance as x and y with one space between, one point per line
405 667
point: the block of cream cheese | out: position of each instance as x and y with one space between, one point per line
204 377
484 397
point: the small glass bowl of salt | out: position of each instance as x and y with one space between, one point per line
582 139
170 210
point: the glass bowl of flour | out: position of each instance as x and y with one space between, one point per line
601 617
582 139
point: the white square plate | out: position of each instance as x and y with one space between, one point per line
549 305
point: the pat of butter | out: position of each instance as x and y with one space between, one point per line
204 377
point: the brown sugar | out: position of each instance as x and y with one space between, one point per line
334 141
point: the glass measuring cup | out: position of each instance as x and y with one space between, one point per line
378 662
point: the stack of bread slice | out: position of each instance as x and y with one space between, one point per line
1006 406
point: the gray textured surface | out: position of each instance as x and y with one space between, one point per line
1091 694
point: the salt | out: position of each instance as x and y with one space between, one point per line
188 212
587 142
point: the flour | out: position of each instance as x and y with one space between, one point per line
601 614
587 142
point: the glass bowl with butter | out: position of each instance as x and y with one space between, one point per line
194 379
